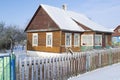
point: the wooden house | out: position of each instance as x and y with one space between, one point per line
55 30
116 36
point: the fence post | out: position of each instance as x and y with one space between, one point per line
99 56
110 57
87 62
13 72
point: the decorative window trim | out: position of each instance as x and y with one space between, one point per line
51 43
70 44
33 39
82 41
78 42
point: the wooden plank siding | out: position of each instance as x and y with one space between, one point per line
58 42
74 49
42 42
109 41
116 31
41 21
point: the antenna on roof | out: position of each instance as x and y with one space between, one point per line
64 7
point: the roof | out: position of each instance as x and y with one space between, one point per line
117 27
66 20
61 18
116 31
80 18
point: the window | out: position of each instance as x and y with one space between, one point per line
49 39
87 40
98 40
114 39
76 40
68 39
35 39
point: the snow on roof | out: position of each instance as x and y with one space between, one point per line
65 20
61 18
87 22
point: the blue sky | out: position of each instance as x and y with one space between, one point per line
103 12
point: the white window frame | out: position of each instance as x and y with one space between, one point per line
51 41
100 42
35 39
76 42
83 43
70 41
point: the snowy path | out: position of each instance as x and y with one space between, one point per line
107 73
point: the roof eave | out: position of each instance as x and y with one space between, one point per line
42 30
103 31
71 30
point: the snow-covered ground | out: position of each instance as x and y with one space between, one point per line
19 51
111 72
44 54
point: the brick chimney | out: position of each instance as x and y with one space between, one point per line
64 7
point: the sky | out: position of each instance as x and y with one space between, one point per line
103 12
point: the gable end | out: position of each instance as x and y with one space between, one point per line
41 22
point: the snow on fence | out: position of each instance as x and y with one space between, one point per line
63 67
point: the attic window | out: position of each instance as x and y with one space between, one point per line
35 39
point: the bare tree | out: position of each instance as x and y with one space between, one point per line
1 26
9 35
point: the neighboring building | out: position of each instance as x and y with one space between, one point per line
53 29
116 36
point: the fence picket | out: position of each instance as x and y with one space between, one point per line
27 70
32 77
41 75
36 69
45 69
23 67
65 66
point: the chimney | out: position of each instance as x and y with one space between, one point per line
64 7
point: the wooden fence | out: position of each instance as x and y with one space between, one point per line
65 66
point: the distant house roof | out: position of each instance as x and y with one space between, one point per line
66 20
117 27
116 31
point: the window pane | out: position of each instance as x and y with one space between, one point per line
49 39
98 40
68 39
87 40
76 39
35 39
